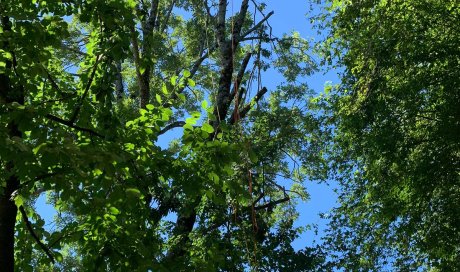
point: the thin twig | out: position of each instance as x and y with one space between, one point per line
85 93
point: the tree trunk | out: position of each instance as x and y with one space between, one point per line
8 209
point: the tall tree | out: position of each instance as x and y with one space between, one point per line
89 88
396 123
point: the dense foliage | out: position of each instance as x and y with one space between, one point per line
148 127
88 92
396 122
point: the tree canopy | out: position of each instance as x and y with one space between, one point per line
396 122
89 89
150 128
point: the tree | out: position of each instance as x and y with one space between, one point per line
395 121
89 88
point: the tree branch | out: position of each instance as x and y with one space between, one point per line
240 21
50 78
196 65
242 113
171 126
151 21
141 78
252 29
71 125
34 235
85 93
220 27
38 178
271 204
239 77
168 15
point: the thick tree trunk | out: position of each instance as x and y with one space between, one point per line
8 209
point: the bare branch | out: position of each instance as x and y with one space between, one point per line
50 78
247 108
171 126
239 77
258 25
208 9
196 65
240 21
272 204
73 50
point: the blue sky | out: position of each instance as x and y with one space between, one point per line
290 15
293 15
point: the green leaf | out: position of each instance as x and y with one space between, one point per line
37 149
129 146
164 89
114 210
18 200
207 127
191 82
158 98
190 121
188 126
173 80
97 172
58 256
214 177
142 69
133 192
204 104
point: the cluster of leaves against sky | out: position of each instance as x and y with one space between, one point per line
89 90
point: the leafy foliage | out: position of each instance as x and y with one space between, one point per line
88 90
396 133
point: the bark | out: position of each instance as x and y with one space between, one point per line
144 91
119 90
184 225
8 212
8 209
227 48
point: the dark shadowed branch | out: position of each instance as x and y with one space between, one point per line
35 236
